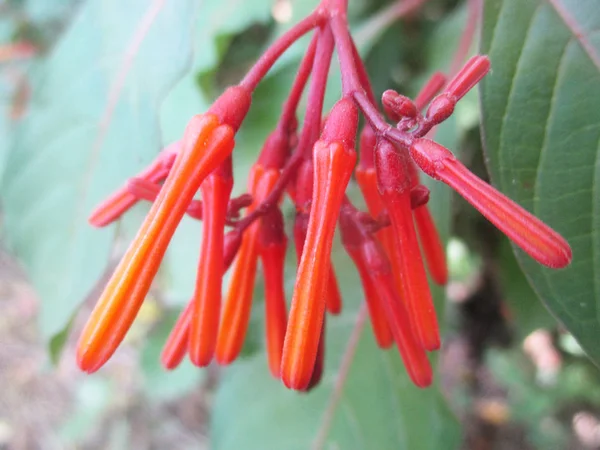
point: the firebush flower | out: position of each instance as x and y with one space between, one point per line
394 244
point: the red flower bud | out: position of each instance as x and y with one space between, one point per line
394 184
334 160
528 232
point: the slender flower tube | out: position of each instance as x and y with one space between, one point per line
177 343
352 239
366 177
394 185
235 315
536 238
334 158
431 243
207 142
216 190
272 244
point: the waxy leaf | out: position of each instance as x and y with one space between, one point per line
541 124
92 123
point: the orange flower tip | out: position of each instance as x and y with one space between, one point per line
341 123
471 74
88 362
232 106
204 359
296 381
169 363
422 378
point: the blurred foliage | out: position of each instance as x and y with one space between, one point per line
99 107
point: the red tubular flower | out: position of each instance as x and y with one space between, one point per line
394 185
177 343
403 328
334 160
272 245
383 302
352 240
236 310
315 172
208 141
216 190
537 239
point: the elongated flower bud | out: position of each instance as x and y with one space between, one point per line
413 354
238 302
176 346
334 160
216 190
394 184
537 239
207 142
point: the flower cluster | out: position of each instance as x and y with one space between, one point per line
313 165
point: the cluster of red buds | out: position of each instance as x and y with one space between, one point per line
313 166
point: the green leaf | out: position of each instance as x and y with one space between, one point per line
541 123
378 408
92 123
160 384
525 309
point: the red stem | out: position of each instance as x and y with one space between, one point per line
304 70
266 61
